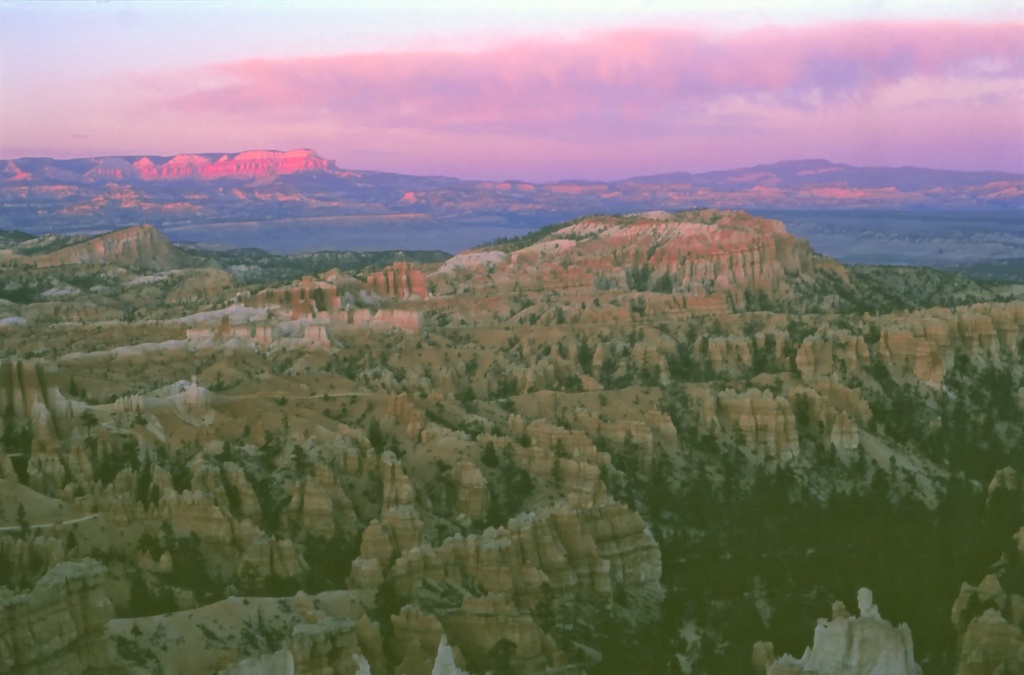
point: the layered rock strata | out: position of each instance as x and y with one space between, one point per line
863 645
58 626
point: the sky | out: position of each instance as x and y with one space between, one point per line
528 90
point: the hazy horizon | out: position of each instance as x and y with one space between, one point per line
556 179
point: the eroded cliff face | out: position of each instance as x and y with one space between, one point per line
919 346
59 625
988 618
140 246
585 552
991 644
249 164
324 308
268 559
30 395
399 280
709 260
865 644
765 422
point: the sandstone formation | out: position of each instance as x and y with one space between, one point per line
267 560
991 645
194 511
327 645
139 246
30 395
472 498
399 281
587 552
474 450
765 422
399 528
419 637
249 164
834 350
863 645
918 346
989 622
844 434
59 625
481 622
705 260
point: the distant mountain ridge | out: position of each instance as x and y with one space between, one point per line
298 200
821 172
249 164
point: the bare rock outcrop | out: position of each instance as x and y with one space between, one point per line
844 434
472 498
399 280
765 422
312 509
194 511
268 560
444 662
587 552
989 621
327 645
845 645
923 345
482 621
243 165
58 626
417 635
916 346
399 528
732 353
991 645
138 246
834 350
29 392
399 512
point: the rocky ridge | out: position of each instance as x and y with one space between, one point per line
59 625
140 246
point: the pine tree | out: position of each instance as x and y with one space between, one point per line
23 521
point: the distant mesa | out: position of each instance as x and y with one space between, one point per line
248 165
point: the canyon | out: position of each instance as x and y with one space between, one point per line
639 443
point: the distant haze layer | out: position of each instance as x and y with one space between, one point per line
297 200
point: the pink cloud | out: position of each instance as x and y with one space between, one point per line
607 105
641 81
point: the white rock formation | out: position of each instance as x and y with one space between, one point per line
444 664
362 665
864 645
